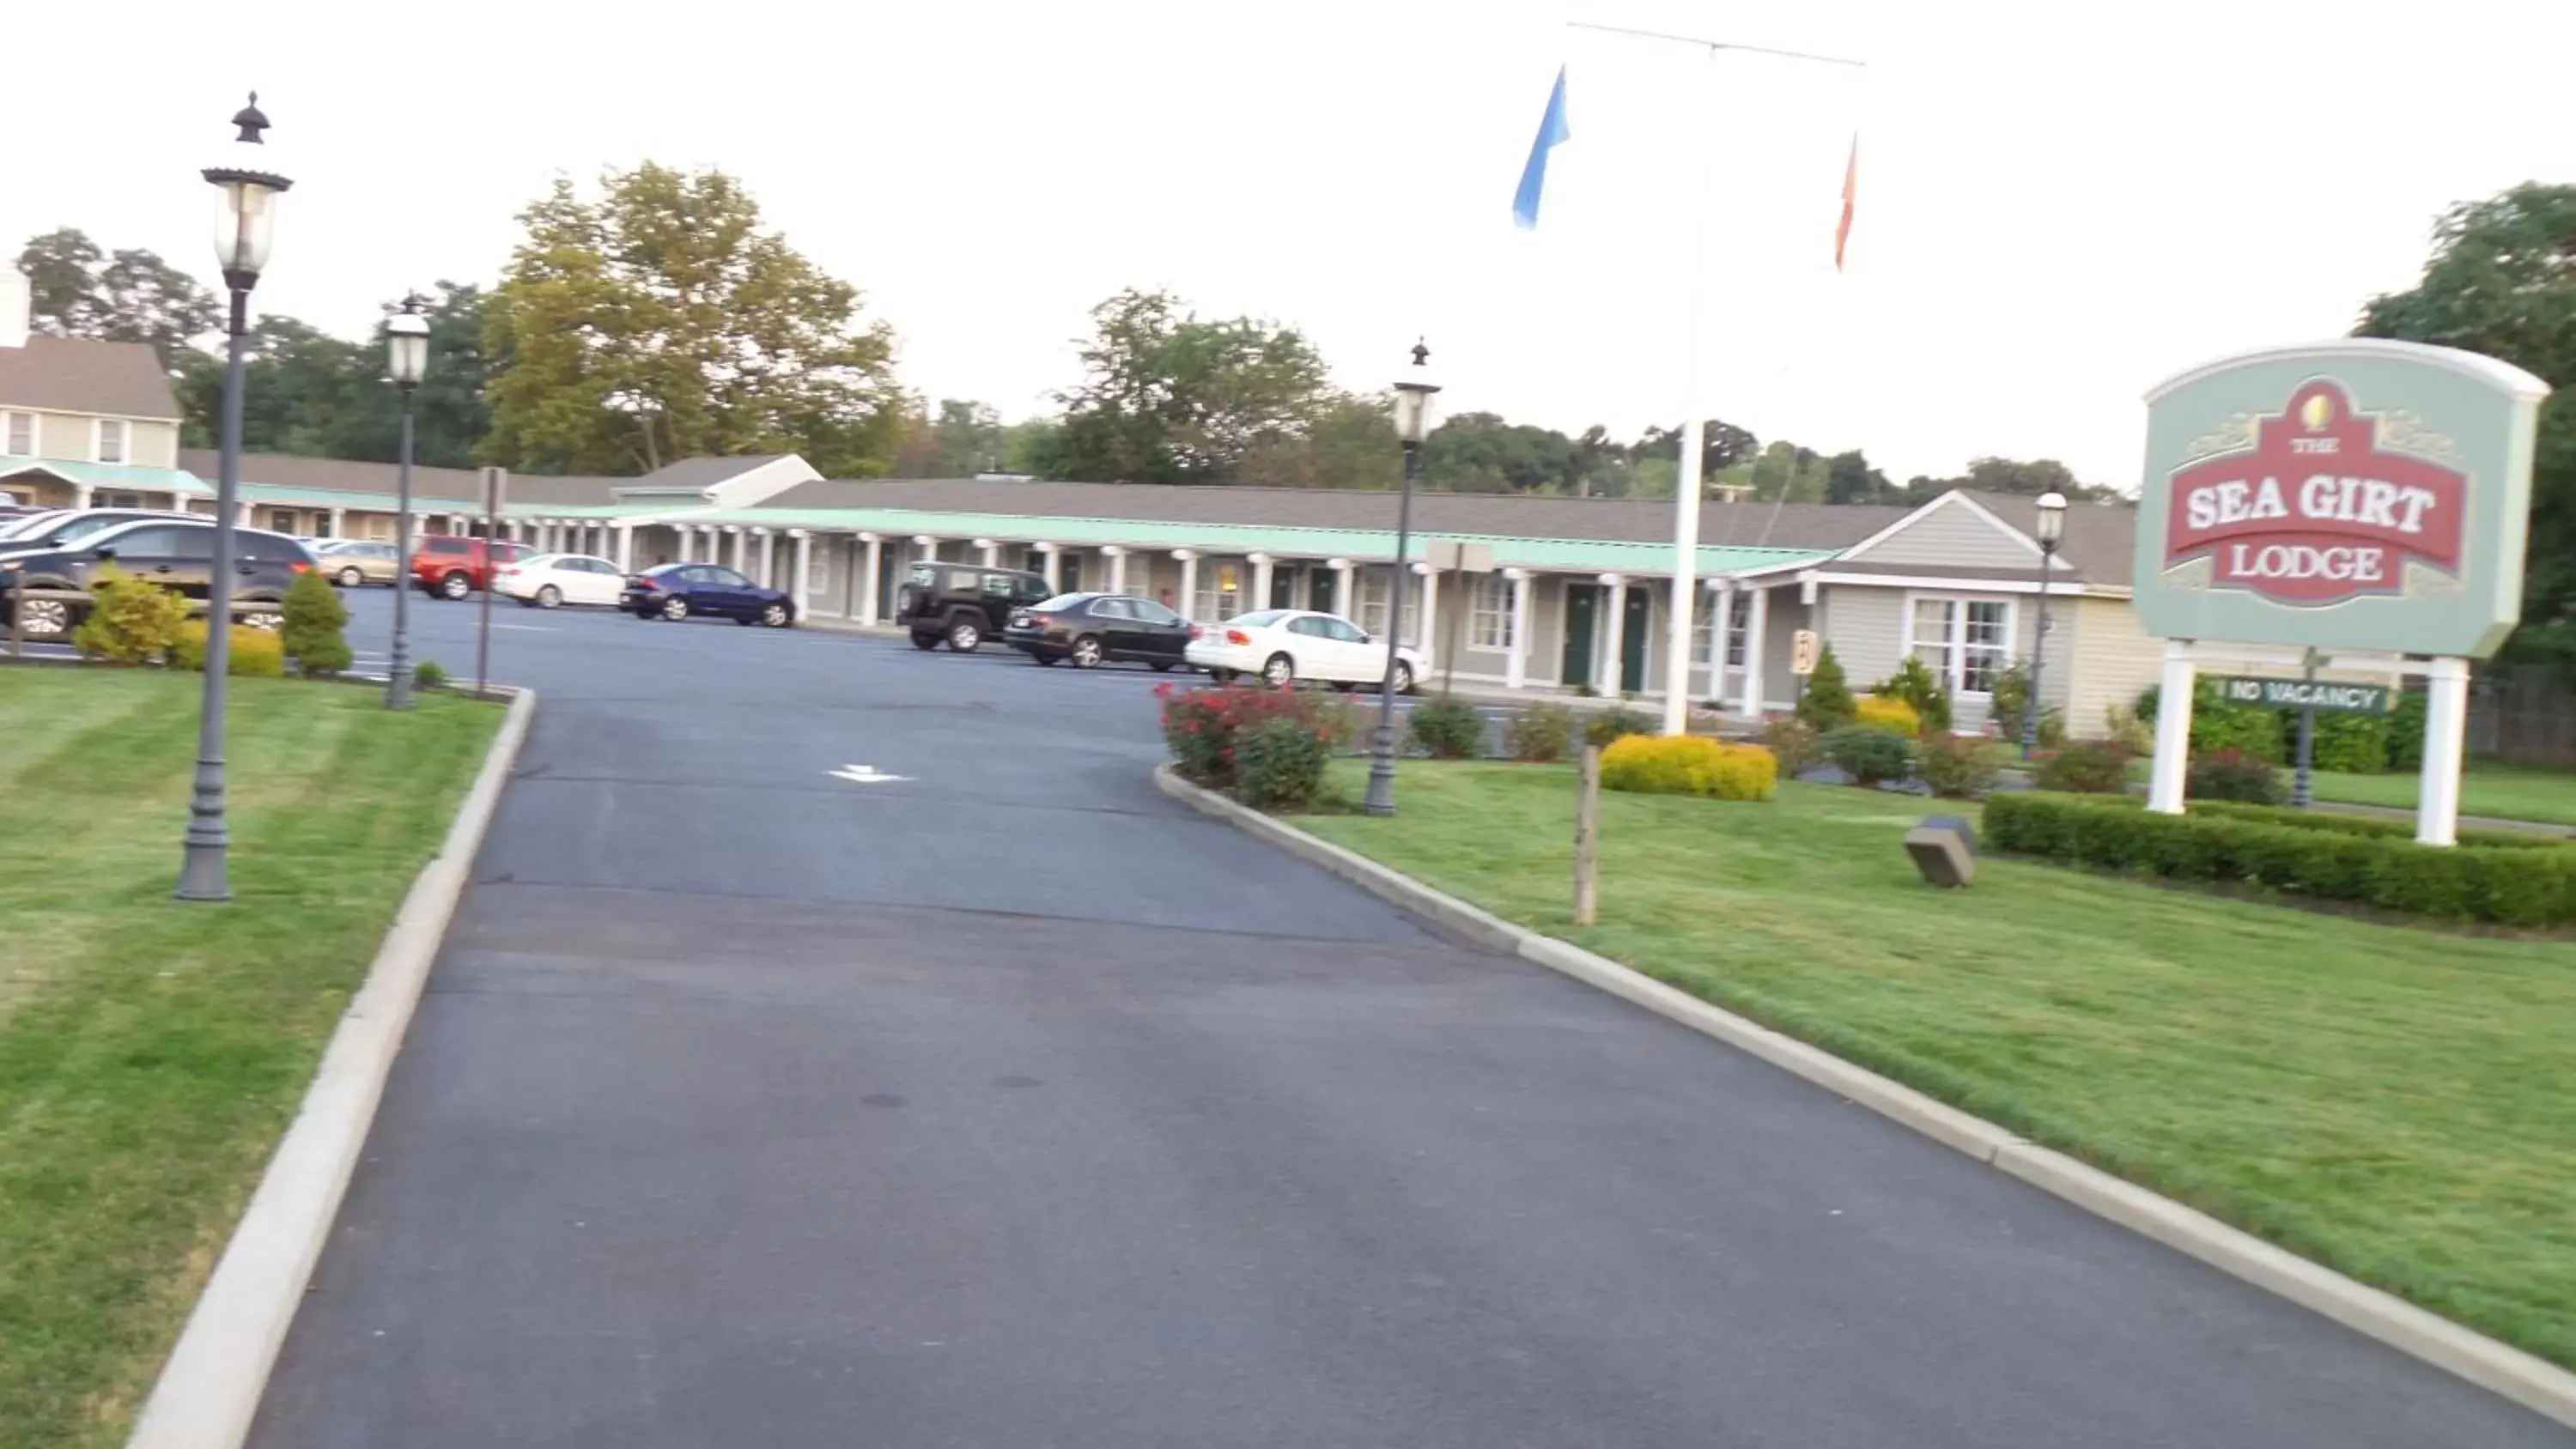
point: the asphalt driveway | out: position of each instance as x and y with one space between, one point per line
1009 1104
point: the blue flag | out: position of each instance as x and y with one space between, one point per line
1551 130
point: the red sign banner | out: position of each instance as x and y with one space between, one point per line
2316 512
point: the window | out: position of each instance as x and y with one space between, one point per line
111 440
1312 628
119 500
1152 613
447 545
140 543
1739 620
21 439
282 519
1212 602
1112 609
1344 630
1489 612
1373 594
725 577
1966 641
999 586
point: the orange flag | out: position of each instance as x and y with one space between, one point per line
1851 185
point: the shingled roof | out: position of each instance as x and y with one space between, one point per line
443 485
77 375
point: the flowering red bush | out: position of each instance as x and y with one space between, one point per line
1202 726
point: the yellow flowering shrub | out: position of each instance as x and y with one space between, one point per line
1689 765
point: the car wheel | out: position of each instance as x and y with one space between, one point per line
1279 672
455 586
925 641
48 618
1403 677
773 615
675 608
549 597
1044 658
1221 676
964 635
351 579
1086 652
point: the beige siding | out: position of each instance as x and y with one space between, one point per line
1864 626
152 445
2115 658
64 435
1954 535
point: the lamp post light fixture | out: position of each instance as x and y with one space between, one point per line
245 228
407 358
2052 528
1412 421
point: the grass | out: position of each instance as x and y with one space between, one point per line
2389 1101
151 1052
2498 792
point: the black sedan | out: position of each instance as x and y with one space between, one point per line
1091 629
682 591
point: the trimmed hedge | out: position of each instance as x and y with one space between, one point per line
2527 883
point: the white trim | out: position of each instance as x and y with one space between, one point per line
1956 497
1954 673
172 421
98 442
2071 588
2503 376
33 434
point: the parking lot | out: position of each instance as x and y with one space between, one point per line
840 1043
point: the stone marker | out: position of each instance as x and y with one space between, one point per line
1944 848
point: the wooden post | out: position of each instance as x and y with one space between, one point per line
1587 834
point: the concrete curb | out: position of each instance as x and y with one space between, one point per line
2532 1382
210 1388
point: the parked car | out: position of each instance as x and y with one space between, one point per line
177 554
353 562
1283 646
61 527
545 580
1095 629
963 603
451 566
679 591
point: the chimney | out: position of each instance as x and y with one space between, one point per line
16 298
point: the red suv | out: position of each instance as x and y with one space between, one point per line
447 566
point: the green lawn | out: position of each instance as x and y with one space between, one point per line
2392 1102
2502 792
151 1052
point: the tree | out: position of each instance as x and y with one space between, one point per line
1850 479
2010 475
2502 281
1827 703
305 391
1350 444
661 322
129 296
1722 446
1169 397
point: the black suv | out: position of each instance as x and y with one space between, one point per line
963 603
175 553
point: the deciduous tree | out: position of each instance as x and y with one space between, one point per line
123 296
1170 397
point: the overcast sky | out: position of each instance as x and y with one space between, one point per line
2060 203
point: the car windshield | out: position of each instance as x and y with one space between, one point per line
1262 619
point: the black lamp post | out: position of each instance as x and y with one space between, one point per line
245 226
407 358
2052 527
1412 419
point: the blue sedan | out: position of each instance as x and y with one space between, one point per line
682 591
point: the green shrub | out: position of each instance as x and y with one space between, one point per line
2087 767
1827 702
1202 726
1540 733
1794 743
1617 723
2120 726
2353 743
428 674
2217 725
1869 755
1960 766
1914 683
1887 712
311 633
1446 728
1689 765
255 652
2008 693
2231 776
1279 763
2517 885
2405 728
2390 826
131 620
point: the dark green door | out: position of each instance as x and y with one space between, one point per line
1283 589
1319 589
1581 602
1632 639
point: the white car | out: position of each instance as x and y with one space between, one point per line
1283 646
544 580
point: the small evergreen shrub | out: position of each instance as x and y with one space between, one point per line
1446 728
312 633
2406 733
1869 755
1279 763
2355 744
1887 712
2228 775
428 674
1915 683
1540 734
1827 703
130 621
1689 765
2087 767
1960 766
1617 723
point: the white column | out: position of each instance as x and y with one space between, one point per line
1189 579
626 547
1341 568
1757 627
1722 609
2446 732
1054 566
81 495
1260 596
1428 639
928 544
868 585
339 523
2173 729
1605 665
1117 567
1516 672
804 566
768 572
